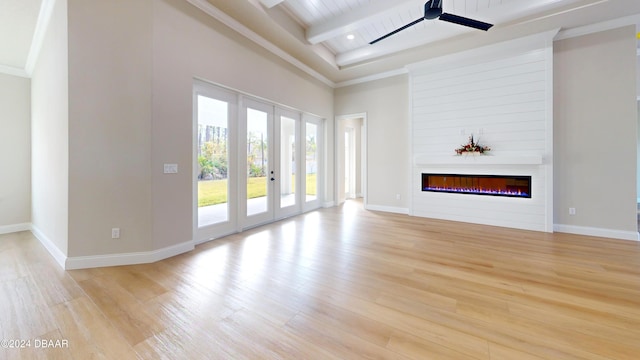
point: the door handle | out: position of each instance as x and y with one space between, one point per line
273 179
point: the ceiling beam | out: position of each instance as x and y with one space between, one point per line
512 13
354 19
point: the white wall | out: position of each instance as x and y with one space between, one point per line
386 103
502 94
50 135
15 151
595 126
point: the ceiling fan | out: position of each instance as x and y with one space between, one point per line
433 10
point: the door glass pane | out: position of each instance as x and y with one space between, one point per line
257 161
311 162
213 159
287 162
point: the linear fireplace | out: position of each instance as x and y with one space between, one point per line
492 185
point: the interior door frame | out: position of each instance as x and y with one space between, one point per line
338 143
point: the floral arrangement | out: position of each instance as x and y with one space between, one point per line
472 147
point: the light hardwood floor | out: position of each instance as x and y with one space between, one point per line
339 283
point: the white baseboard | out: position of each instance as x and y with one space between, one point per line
145 257
389 209
8 229
55 252
599 232
329 204
84 262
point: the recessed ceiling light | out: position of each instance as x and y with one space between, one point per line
351 36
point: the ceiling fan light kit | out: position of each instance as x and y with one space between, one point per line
433 10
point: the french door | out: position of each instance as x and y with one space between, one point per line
256 154
215 138
269 152
255 162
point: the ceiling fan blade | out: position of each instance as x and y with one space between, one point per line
465 21
397 30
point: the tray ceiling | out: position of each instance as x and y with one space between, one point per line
329 39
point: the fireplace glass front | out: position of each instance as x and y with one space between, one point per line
492 185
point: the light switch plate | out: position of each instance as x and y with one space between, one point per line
170 168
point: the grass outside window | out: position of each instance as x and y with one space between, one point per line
213 192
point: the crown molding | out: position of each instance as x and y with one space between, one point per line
227 20
10 70
598 27
44 17
373 77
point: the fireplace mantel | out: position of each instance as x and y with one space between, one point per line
426 159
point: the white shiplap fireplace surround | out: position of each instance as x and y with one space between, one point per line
503 95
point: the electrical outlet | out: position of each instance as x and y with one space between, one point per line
572 211
398 197
115 233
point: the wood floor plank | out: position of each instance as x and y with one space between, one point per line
121 307
338 283
89 333
417 347
337 341
24 312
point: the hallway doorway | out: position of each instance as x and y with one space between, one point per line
351 157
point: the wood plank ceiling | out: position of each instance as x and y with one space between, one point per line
313 34
346 27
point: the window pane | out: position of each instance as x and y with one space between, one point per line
213 159
287 162
311 162
257 161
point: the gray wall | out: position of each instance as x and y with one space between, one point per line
130 111
109 126
15 150
595 127
188 44
386 103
